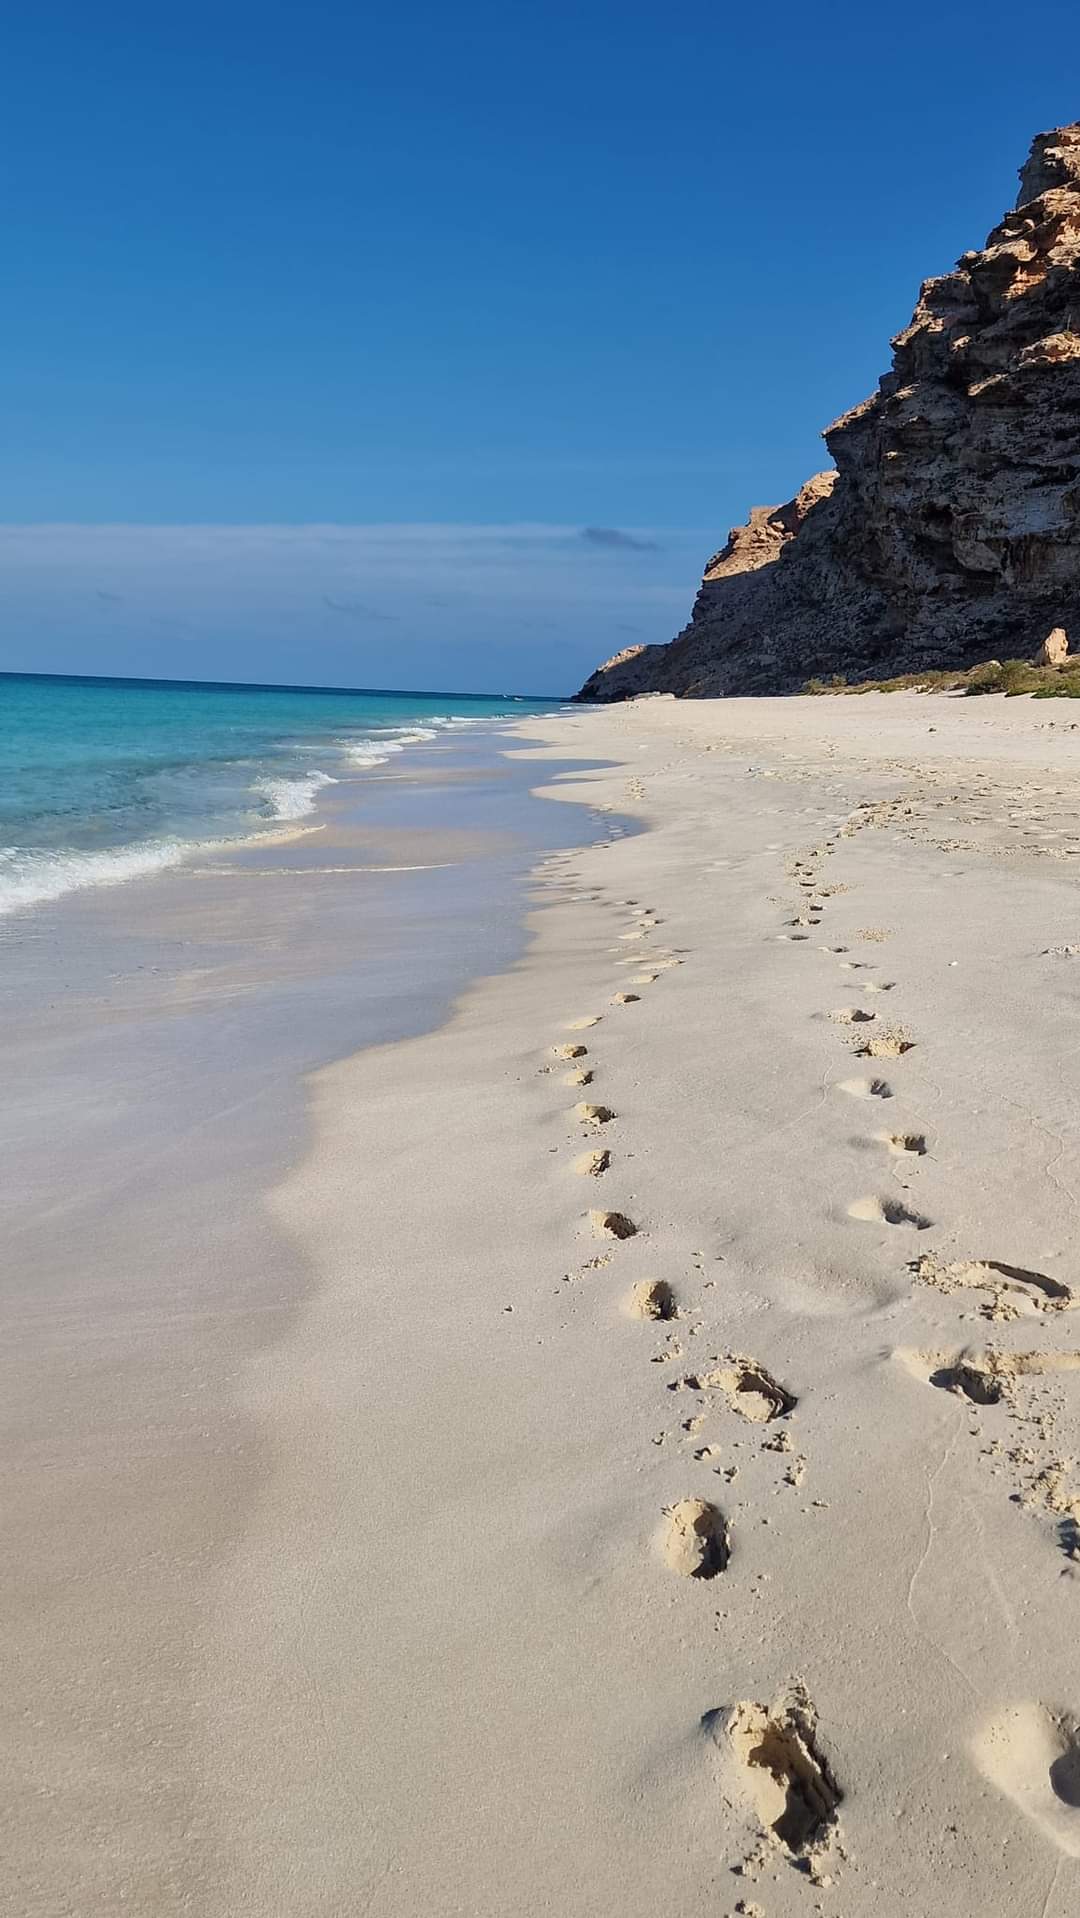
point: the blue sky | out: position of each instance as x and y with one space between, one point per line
460 283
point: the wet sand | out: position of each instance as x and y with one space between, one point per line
155 1042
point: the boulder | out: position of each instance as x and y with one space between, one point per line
1054 649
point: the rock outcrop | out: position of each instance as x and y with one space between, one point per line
1054 650
950 529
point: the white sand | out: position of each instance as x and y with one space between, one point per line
463 1673
552 1605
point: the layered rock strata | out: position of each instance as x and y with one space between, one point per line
949 531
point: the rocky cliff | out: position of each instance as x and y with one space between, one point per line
950 529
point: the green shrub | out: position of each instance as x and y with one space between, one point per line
1012 677
837 684
987 678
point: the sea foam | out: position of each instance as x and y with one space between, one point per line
172 772
292 798
34 878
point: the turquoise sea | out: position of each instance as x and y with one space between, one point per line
105 779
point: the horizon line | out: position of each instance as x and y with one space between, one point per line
270 686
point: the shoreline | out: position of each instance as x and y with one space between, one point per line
452 1664
496 1442
165 1033
258 788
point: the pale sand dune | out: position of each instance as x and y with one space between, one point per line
452 1672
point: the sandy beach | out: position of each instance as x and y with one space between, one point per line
540 965
664 1496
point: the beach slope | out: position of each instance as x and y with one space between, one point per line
673 1502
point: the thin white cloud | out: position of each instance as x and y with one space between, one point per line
470 606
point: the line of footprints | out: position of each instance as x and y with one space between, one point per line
981 1375
770 1756
1031 1751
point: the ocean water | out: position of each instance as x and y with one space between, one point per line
102 780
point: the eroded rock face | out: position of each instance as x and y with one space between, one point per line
765 534
950 529
631 670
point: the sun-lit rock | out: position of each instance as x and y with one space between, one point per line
950 529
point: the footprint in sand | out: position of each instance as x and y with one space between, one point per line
865 1088
969 1373
612 1225
999 1280
969 1382
626 999
569 1052
1032 1755
852 1016
696 1543
887 1211
653 1299
581 1078
750 1390
587 1114
644 978
591 1164
903 1145
582 1025
985 1374
891 1043
776 1763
